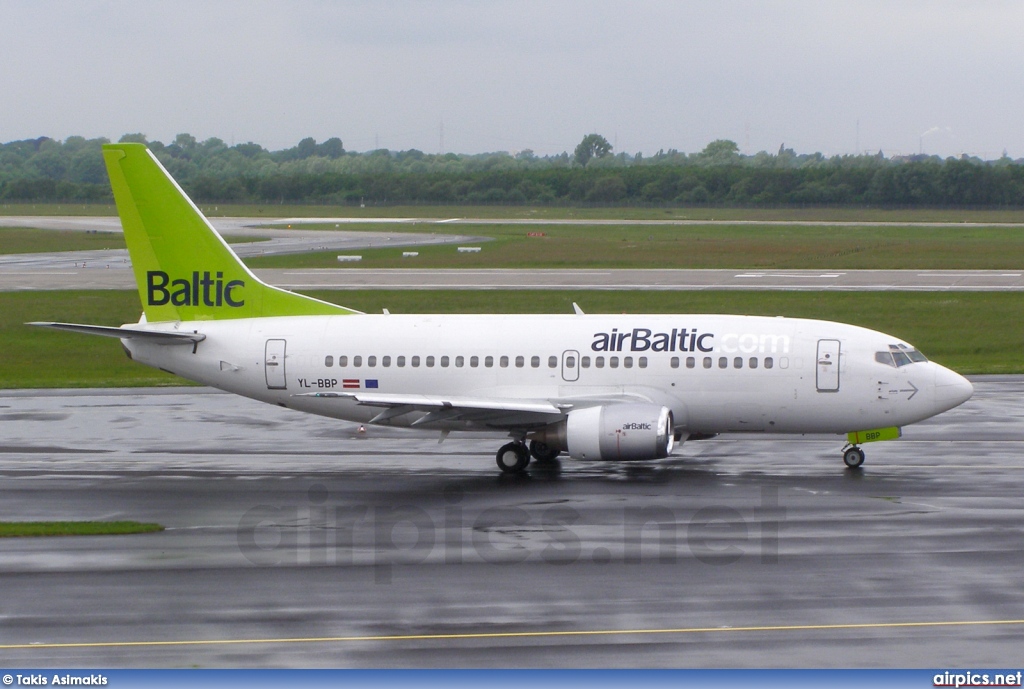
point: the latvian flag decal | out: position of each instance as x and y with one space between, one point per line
353 384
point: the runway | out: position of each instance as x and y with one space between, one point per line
294 540
116 275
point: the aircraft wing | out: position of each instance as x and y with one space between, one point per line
498 413
158 336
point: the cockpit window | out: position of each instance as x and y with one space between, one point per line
899 355
901 359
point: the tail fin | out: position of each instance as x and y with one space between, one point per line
184 269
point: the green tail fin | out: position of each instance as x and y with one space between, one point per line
184 269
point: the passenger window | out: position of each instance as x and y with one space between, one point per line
357 361
723 362
570 362
535 361
627 362
552 362
674 362
474 361
613 362
342 361
415 362
737 362
430 362
401 362
460 361
707 362
520 362
753 362
585 362
444 362
385 361
599 362
690 362
643 362
371 361
503 362
489 361
769 362
328 361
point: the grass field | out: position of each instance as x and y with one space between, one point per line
17 240
314 211
969 332
708 246
28 529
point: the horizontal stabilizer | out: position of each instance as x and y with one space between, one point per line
157 336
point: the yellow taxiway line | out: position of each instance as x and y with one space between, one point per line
519 635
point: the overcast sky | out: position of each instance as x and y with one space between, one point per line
942 76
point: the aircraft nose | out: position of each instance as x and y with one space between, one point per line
951 389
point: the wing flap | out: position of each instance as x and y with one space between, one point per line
430 403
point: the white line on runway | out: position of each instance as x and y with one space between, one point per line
788 275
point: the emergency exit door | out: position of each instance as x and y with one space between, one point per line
828 366
570 366
274 365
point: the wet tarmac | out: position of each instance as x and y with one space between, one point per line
298 541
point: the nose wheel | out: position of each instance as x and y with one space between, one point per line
513 458
853 457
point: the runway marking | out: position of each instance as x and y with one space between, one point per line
519 635
790 275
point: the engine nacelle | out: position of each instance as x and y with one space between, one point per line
620 432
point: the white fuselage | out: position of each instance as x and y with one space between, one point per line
716 373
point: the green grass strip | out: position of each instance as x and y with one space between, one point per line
852 213
30 529
734 247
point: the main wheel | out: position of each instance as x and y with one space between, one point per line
853 457
542 452
513 458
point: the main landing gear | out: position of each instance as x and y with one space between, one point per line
853 457
514 457
542 452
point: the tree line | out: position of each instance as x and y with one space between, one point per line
49 170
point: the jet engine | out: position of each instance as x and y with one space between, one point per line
616 432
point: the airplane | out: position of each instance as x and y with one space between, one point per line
597 387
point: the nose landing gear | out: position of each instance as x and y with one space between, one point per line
853 457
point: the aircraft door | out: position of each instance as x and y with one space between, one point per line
570 365
828 366
274 365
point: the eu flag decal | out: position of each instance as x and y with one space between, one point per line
370 383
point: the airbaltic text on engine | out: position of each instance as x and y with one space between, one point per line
688 340
183 292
